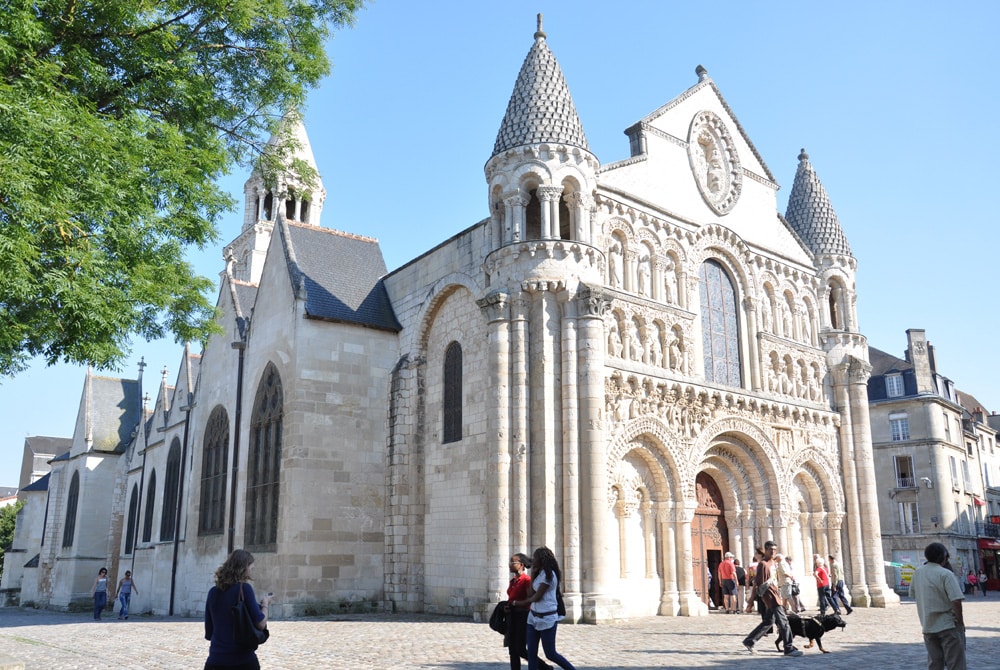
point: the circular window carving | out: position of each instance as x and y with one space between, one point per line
714 162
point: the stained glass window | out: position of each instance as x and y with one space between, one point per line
168 516
264 464
214 461
452 393
719 326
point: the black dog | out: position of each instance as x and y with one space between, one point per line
812 628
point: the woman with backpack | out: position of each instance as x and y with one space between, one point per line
546 609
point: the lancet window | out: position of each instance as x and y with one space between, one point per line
214 462
264 467
72 501
452 393
720 325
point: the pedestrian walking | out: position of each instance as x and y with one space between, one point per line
823 592
232 580
544 616
939 605
519 590
983 579
741 585
766 590
972 581
837 583
727 580
99 592
125 589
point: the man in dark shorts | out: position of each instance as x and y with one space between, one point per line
727 580
765 588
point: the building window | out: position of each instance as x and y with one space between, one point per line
214 460
168 516
954 472
947 428
72 500
147 516
133 520
453 393
904 472
965 475
959 521
909 518
719 326
265 464
899 426
969 449
894 385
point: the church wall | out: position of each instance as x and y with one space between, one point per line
456 472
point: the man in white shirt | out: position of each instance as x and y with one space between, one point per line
939 606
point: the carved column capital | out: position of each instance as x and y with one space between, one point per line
592 301
549 193
496 306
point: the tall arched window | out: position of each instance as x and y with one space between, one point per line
264 464
147 515
133 519
214 460
72 501
452 393
719 326
168 516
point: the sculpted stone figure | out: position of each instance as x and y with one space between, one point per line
615 266
635 352
614 340
670 281
643 276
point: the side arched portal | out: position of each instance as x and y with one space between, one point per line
709 538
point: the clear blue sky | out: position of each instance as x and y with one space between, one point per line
895 102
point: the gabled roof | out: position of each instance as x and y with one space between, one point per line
540 110
969 403
811 215
114 412
704 81
883 363
341 275
41 484
41 444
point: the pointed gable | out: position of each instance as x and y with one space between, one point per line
112 413
340 275
540 110
811 215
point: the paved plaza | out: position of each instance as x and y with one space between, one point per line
875 638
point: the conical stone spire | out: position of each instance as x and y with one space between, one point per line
811 215
541 109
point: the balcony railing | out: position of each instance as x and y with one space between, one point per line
906 483
987 529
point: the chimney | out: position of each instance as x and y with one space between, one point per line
917 353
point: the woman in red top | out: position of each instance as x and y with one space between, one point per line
517 617
823 586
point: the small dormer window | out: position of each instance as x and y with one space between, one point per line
894 385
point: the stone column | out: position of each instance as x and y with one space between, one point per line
515 210
597 577
878 590
520 399
622 513
548 197
853 559
630 260
690 605
570 448
669 602
649 535
753 343
496 308
545 416
656 280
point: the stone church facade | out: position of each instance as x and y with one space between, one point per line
640 364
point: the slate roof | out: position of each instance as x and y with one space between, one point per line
342 276
114 412
41 444
811 215
540 109
969 402
41 484
883 363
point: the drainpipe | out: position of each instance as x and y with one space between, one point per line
240 346
180 500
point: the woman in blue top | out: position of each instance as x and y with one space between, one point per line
230 578
544 614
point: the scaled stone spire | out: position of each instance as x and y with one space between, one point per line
541 109
811 215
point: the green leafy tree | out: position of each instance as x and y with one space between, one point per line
117 117
8 517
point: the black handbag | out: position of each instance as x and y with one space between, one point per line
245 631
498 620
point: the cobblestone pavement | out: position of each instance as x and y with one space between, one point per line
874 638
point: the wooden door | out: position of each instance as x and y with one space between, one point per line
709 540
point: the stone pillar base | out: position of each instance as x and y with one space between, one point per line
882 596
670 605
691 605
600 608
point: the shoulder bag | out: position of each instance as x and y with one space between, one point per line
245 631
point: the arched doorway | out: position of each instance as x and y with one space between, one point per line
709 539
